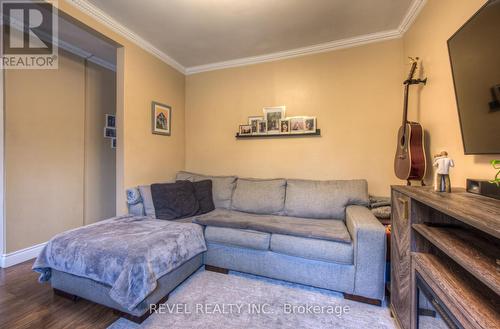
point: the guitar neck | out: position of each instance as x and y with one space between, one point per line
405 107
407 86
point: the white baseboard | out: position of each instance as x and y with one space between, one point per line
19 256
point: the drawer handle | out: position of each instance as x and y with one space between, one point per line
404 203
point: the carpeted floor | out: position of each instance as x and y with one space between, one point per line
211 300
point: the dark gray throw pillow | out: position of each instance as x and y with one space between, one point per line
174 200
203 192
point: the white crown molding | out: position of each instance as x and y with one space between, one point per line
411 15
319 48
17 257
110 22
405 24
102 17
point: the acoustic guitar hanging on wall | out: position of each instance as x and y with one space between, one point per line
410 162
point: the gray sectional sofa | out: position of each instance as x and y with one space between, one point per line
317 233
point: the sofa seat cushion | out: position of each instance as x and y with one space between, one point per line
324 199
222 186
315 249
237 237
259 196
332 230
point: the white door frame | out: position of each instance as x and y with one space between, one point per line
2 169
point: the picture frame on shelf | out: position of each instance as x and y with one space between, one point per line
284 126
297 125
161 116
272 116
245 130
262 127
254 122
309 125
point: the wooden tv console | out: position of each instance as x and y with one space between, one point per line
452 242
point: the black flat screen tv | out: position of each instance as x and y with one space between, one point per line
475 61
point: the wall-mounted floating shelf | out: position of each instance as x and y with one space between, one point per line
315 134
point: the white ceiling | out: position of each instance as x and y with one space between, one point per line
200 32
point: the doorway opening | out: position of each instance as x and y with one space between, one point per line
60 146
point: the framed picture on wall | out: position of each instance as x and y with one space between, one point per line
113 143
309 125
109 132
254 122
110 121
161 118
273 115
297 125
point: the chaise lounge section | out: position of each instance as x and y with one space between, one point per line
317 233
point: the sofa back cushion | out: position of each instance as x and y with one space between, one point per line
259 196
222 187
324 199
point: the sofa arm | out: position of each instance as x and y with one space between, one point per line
134 202
369 240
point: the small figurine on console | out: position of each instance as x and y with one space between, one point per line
442 175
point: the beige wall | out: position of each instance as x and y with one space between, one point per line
141 78
141 156
151 158
354 93
435 108
100 164
44 129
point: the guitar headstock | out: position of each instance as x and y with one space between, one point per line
414 63
413 59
